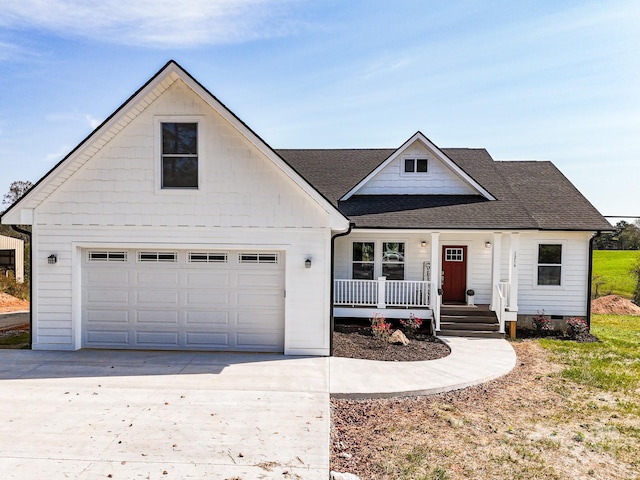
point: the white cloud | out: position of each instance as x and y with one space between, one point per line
57 155
93 122
155 23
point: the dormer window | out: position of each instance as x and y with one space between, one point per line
179 155
415 165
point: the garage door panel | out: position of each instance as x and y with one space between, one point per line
110 297
201 305
207 317
156 317
107 316
156 339
158 297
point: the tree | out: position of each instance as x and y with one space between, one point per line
635 271
16 190
626 236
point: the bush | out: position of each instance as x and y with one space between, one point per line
576 327
541 322
9 285
380 328
411 324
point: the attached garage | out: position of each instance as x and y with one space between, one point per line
183 300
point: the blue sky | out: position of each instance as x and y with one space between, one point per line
531 80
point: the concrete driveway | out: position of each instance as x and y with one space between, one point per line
161 415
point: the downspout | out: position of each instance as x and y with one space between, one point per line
332 320
590 277
28 233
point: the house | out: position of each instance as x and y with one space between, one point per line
174 226
12 257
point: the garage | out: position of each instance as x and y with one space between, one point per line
183 299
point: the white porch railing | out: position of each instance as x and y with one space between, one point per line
381 293
503 287
501 307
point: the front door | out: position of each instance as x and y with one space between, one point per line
454 274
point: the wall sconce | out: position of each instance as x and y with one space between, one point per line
487 244
307 263
52 259
423 243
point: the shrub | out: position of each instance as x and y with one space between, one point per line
576 327
541 322
411 324
379 327
9 285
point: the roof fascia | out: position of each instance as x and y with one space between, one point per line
441 156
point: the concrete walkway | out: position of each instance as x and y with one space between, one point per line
167 415
472 361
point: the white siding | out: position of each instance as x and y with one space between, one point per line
438 180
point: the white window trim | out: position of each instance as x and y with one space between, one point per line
377 254
562 264
416 158
157 154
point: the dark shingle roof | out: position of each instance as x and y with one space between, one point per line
529 195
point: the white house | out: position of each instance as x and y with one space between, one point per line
12 257
174 226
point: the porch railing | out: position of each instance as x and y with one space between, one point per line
501 307
381 293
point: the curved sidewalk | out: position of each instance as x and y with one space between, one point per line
472 361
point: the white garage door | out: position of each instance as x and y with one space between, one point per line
183 300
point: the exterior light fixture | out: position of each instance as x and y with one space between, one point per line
52 259
307 263
487 244
423 243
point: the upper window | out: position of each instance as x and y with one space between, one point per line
179 155
363 258
415 165
549 264
393 260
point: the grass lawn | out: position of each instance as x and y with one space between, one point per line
612 268
568 410
19 339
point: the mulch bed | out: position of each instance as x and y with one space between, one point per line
355 340
555 335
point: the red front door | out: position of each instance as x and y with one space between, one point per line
454 273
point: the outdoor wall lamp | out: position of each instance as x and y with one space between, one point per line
487 244
307 263
52 259
423 243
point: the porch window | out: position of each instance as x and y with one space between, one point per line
393 260
363 260
179 155
549 264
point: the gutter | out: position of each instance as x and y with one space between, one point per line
332 320
28 233
590 277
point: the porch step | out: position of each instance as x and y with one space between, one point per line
460 321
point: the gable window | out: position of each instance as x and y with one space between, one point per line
415 165
179 155
393 260
549 264
363 260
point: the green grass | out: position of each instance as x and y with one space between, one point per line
11 340
612 268
613 364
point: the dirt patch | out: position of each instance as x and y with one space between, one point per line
614 304
530 423
355 340
12 304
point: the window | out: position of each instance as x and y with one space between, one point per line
363 258
157 256
107 256
454 254
549 264
393 260
179 155
258 257
415 165
207 257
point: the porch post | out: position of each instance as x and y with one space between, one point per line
495 269
382 292
513 272
435 278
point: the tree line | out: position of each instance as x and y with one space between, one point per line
625 236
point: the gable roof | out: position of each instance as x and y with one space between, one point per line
528 195
420 138
21 211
